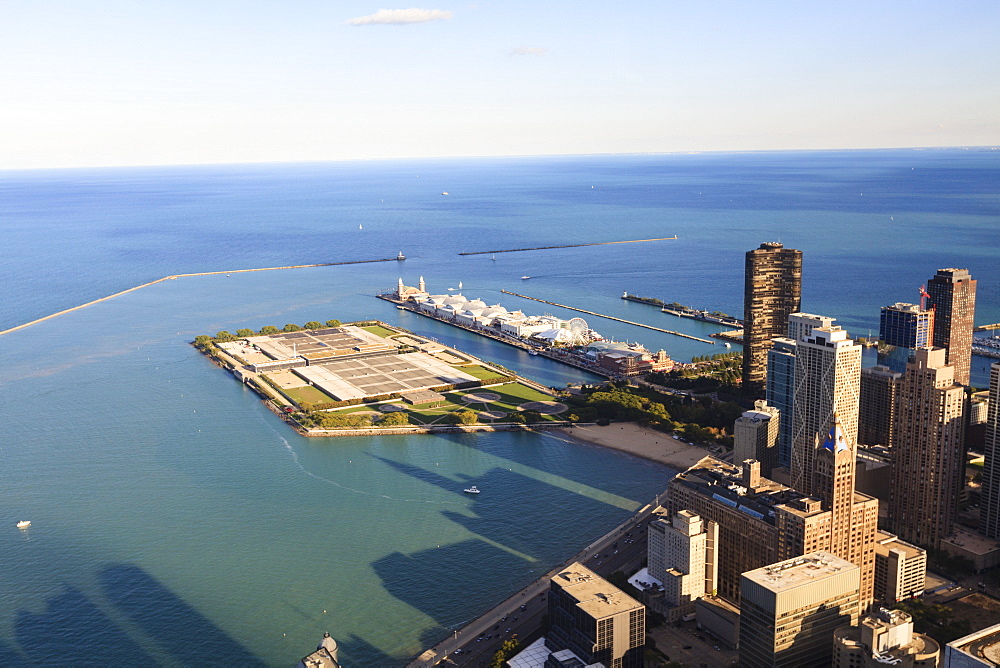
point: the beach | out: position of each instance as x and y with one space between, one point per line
642 442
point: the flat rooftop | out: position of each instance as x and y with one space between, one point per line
594 595
792 573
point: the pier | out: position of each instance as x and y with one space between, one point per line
597 243
611 317
175 276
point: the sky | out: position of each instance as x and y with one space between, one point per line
138 82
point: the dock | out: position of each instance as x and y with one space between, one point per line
987 328
611 317
597 243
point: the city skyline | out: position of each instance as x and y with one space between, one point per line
185 83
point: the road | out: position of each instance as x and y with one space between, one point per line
527 624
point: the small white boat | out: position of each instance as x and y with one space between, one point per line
524 278
445 192
472 490
23 524
360 227
532 352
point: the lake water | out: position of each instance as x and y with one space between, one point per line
175 521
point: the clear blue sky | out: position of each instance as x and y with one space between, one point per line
118 82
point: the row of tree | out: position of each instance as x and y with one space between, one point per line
224 336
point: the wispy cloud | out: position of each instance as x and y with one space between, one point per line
529 51
401 16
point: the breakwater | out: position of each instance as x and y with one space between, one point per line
176 276
596 243
611 317
723 319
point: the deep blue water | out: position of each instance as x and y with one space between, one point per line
156 483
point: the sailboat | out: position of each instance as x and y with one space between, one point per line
360 227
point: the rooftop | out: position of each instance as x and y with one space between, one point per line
594 595
792 573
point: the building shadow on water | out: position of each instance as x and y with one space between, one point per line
178 628
355 651
461 578
72 631
10 657
508 498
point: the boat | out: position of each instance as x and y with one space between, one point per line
532 352
400 256
445 192
524 278
24 524
472 490
360 227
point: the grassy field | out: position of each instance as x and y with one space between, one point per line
512 395
379 330
481 372
308 394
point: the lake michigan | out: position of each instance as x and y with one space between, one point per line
176 521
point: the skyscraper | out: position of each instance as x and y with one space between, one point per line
989 516
790 609
772 291
755 436
781 392
827 384
683 555
902 329
877 404
928 455
953 295
594 619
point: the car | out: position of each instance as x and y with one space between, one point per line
523 607
686 647
715 647
457 651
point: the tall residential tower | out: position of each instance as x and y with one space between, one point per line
953 295
772 291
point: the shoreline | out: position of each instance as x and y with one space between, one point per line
631 438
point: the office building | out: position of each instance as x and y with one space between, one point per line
900 569
884 638
976 650
595 620
876 405
755 436
928 454
989 516
902 329
780 393
761 521
953 295
789 610
772 291
682 554
801 325
827 384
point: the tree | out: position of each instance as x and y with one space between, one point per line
507 649
202 339
243 333
465 416
397 419
268 329
312 324
333 323
224 336
292 327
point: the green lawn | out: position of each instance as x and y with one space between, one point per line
307 394
379 330
481 372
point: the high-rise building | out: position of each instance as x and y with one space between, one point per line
876 406
594 619
755 436
827 384
781 392
989 516
884 638
772 291
761 521
801 325
953 295
928 454
789 610
682 554
900 569
902 329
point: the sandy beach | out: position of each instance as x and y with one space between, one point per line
642 442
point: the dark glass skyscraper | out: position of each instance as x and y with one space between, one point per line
772 292
953 295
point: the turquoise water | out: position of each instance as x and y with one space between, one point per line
176 521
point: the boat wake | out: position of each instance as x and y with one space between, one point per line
298 464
